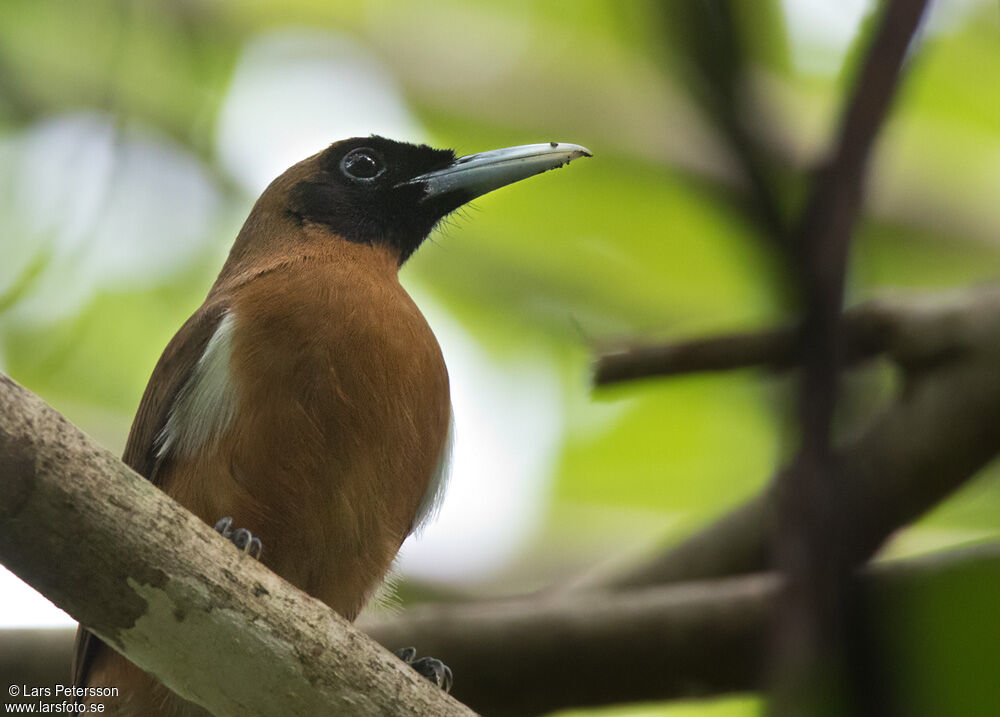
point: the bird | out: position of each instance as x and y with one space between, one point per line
303 410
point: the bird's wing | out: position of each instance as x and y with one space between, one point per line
172 371
142 451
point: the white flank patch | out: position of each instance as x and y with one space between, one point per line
207 402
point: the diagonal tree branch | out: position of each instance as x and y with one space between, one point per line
174 597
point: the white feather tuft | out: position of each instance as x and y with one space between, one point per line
206 404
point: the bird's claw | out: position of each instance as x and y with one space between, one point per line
435 671
430 667
242 538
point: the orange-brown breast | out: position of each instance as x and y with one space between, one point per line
342 412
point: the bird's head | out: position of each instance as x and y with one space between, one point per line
376 191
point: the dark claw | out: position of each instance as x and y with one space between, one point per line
435 671
430 667
407 654
241 537
222 527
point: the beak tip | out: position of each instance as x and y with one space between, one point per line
577 150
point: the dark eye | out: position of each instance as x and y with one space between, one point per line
362 164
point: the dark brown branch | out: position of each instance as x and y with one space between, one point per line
912 330
770 347
868 329
820 656
667 642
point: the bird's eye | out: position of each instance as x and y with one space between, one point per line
362 164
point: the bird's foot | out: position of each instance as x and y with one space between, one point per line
241 537
430 667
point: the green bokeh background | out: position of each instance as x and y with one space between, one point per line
649 239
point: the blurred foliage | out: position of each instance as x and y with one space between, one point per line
656 237
941 639
724 707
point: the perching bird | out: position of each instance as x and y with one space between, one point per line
306 402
